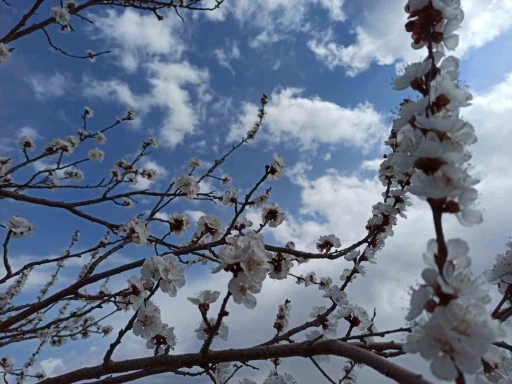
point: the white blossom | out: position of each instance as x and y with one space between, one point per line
153 141
457 97
5 53
336 294
88 113
137 292
273 215
280 265
209 226
137 230
326 243
230 197
195 163
19 227
189 186
455 337
203 331
222 372
419 298
149 174
92 57
249 251
96 154
151 268
149 321
276 170
261 200
61 15
132 178
172 275
166 338
127 202
7 364
27 143
458 251
501 270
352 256
204 298
179 223
243 223
5 164
74 174
242 290
58 145
411 73
283 317
101 138
275 378
247 381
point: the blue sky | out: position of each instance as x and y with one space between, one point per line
327 67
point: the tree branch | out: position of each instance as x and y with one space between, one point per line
353 351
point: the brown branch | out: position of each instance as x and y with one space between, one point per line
7 323
91 56
353 351
124 331
23 20
56 204
8 268
496 312
212 331
322 371
142 373
504 345
376 334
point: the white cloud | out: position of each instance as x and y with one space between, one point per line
227 54
50 86
334 7
194 215
28 131
338 203
269 21
372 165
310 121
49 365
9 142
161 172
110 90
168 81
330 203
140 36
377 42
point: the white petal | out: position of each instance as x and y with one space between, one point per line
418 299
451 42
444 368
468 217
468 197
214 296
429 275
507 279
250 301
451 26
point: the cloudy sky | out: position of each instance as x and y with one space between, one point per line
327 66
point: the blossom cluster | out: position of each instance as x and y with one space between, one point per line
452 328
246 257
169 274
